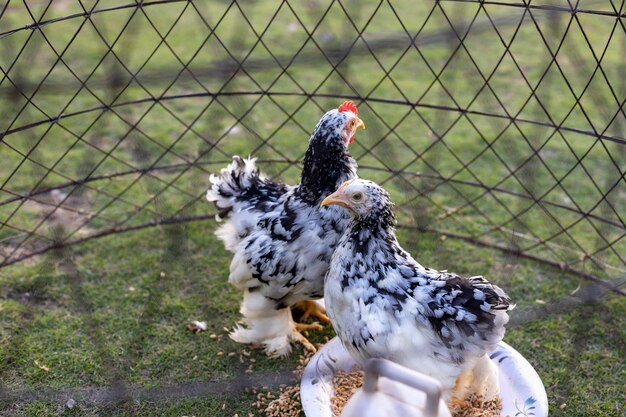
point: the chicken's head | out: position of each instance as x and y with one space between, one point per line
364 199
339 124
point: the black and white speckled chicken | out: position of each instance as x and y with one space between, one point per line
282 239
384 304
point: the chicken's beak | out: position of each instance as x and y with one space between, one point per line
337 198
359 125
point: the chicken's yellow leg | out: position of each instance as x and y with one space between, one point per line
306 326
460 390
296 336
312 309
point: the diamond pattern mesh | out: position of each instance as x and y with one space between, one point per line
501 123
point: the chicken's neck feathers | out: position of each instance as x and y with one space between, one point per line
325 169
376 236
376 250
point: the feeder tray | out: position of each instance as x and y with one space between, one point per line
521 389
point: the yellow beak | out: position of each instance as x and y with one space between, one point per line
359 124
334 199
337 197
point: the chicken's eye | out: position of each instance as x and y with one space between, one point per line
357 197
352 123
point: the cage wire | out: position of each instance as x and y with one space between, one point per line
496 122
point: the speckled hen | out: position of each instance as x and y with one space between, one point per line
281 238
384 304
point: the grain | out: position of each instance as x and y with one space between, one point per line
287 402
346 384
476 406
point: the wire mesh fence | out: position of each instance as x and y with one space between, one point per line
497 122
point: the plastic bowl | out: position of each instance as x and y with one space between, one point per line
521 389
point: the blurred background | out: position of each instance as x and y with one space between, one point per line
497 126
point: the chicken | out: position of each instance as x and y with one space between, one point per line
282 239
384 304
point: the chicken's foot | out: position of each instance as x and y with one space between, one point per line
296 336
312 309
461 388
306 326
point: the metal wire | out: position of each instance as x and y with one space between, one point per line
141 172
335 57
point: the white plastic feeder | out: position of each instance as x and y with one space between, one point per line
521 389
393 390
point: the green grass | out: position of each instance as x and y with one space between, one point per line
116 317
117 309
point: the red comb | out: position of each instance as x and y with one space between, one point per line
348 106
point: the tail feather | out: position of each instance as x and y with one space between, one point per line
234 180
240 186
495 295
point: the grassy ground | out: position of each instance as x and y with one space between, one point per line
112 312
121 317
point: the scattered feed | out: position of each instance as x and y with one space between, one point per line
287 402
